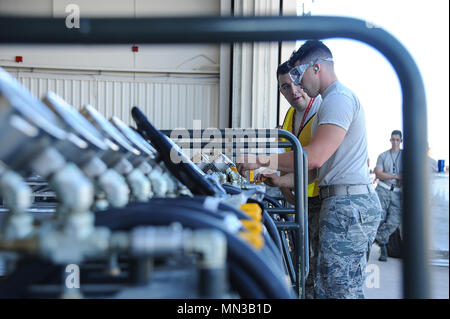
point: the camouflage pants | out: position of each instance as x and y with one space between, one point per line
391 203
347 229
313 237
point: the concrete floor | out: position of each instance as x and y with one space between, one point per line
384 279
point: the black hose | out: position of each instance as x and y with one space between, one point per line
272 253
269 223
232 190
248 287
194 203
239 251
246 261
272 229
27 272
267 220
272 200
272 240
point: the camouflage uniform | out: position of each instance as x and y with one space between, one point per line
313 240
348 225
313 237
390 194
391 202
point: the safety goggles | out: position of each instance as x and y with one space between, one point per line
297 72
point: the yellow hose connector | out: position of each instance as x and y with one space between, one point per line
253 210
252 226
253 234
251 176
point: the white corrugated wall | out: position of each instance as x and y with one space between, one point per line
173 101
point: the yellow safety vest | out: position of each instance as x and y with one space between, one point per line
305 138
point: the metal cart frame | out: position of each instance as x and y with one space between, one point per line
300 224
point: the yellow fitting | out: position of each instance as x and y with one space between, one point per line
253 210
263 180
234 169
252 226
255 240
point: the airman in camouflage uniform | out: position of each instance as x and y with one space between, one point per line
314 205
305 108
350 208
348 226
389 173
350 211
391 204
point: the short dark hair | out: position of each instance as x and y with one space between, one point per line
283 68
309 50
396 132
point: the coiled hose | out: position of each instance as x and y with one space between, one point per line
267 220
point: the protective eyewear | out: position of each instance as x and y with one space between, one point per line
297 72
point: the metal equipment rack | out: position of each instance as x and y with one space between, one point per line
300 224
416 276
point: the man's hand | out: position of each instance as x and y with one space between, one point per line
382 176
272 179
247 162
288 195
399 178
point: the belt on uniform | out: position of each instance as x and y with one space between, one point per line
391 187
342 190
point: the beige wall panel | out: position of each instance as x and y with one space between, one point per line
35 8
96 8
156 58
177 7
112 8
254 91
287 47
178 58
176 84
70 57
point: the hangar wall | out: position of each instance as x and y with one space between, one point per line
174 84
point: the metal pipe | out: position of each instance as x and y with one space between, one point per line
110 187
126 159
305 215
287 225
299 205
16 195
224 145
280 211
